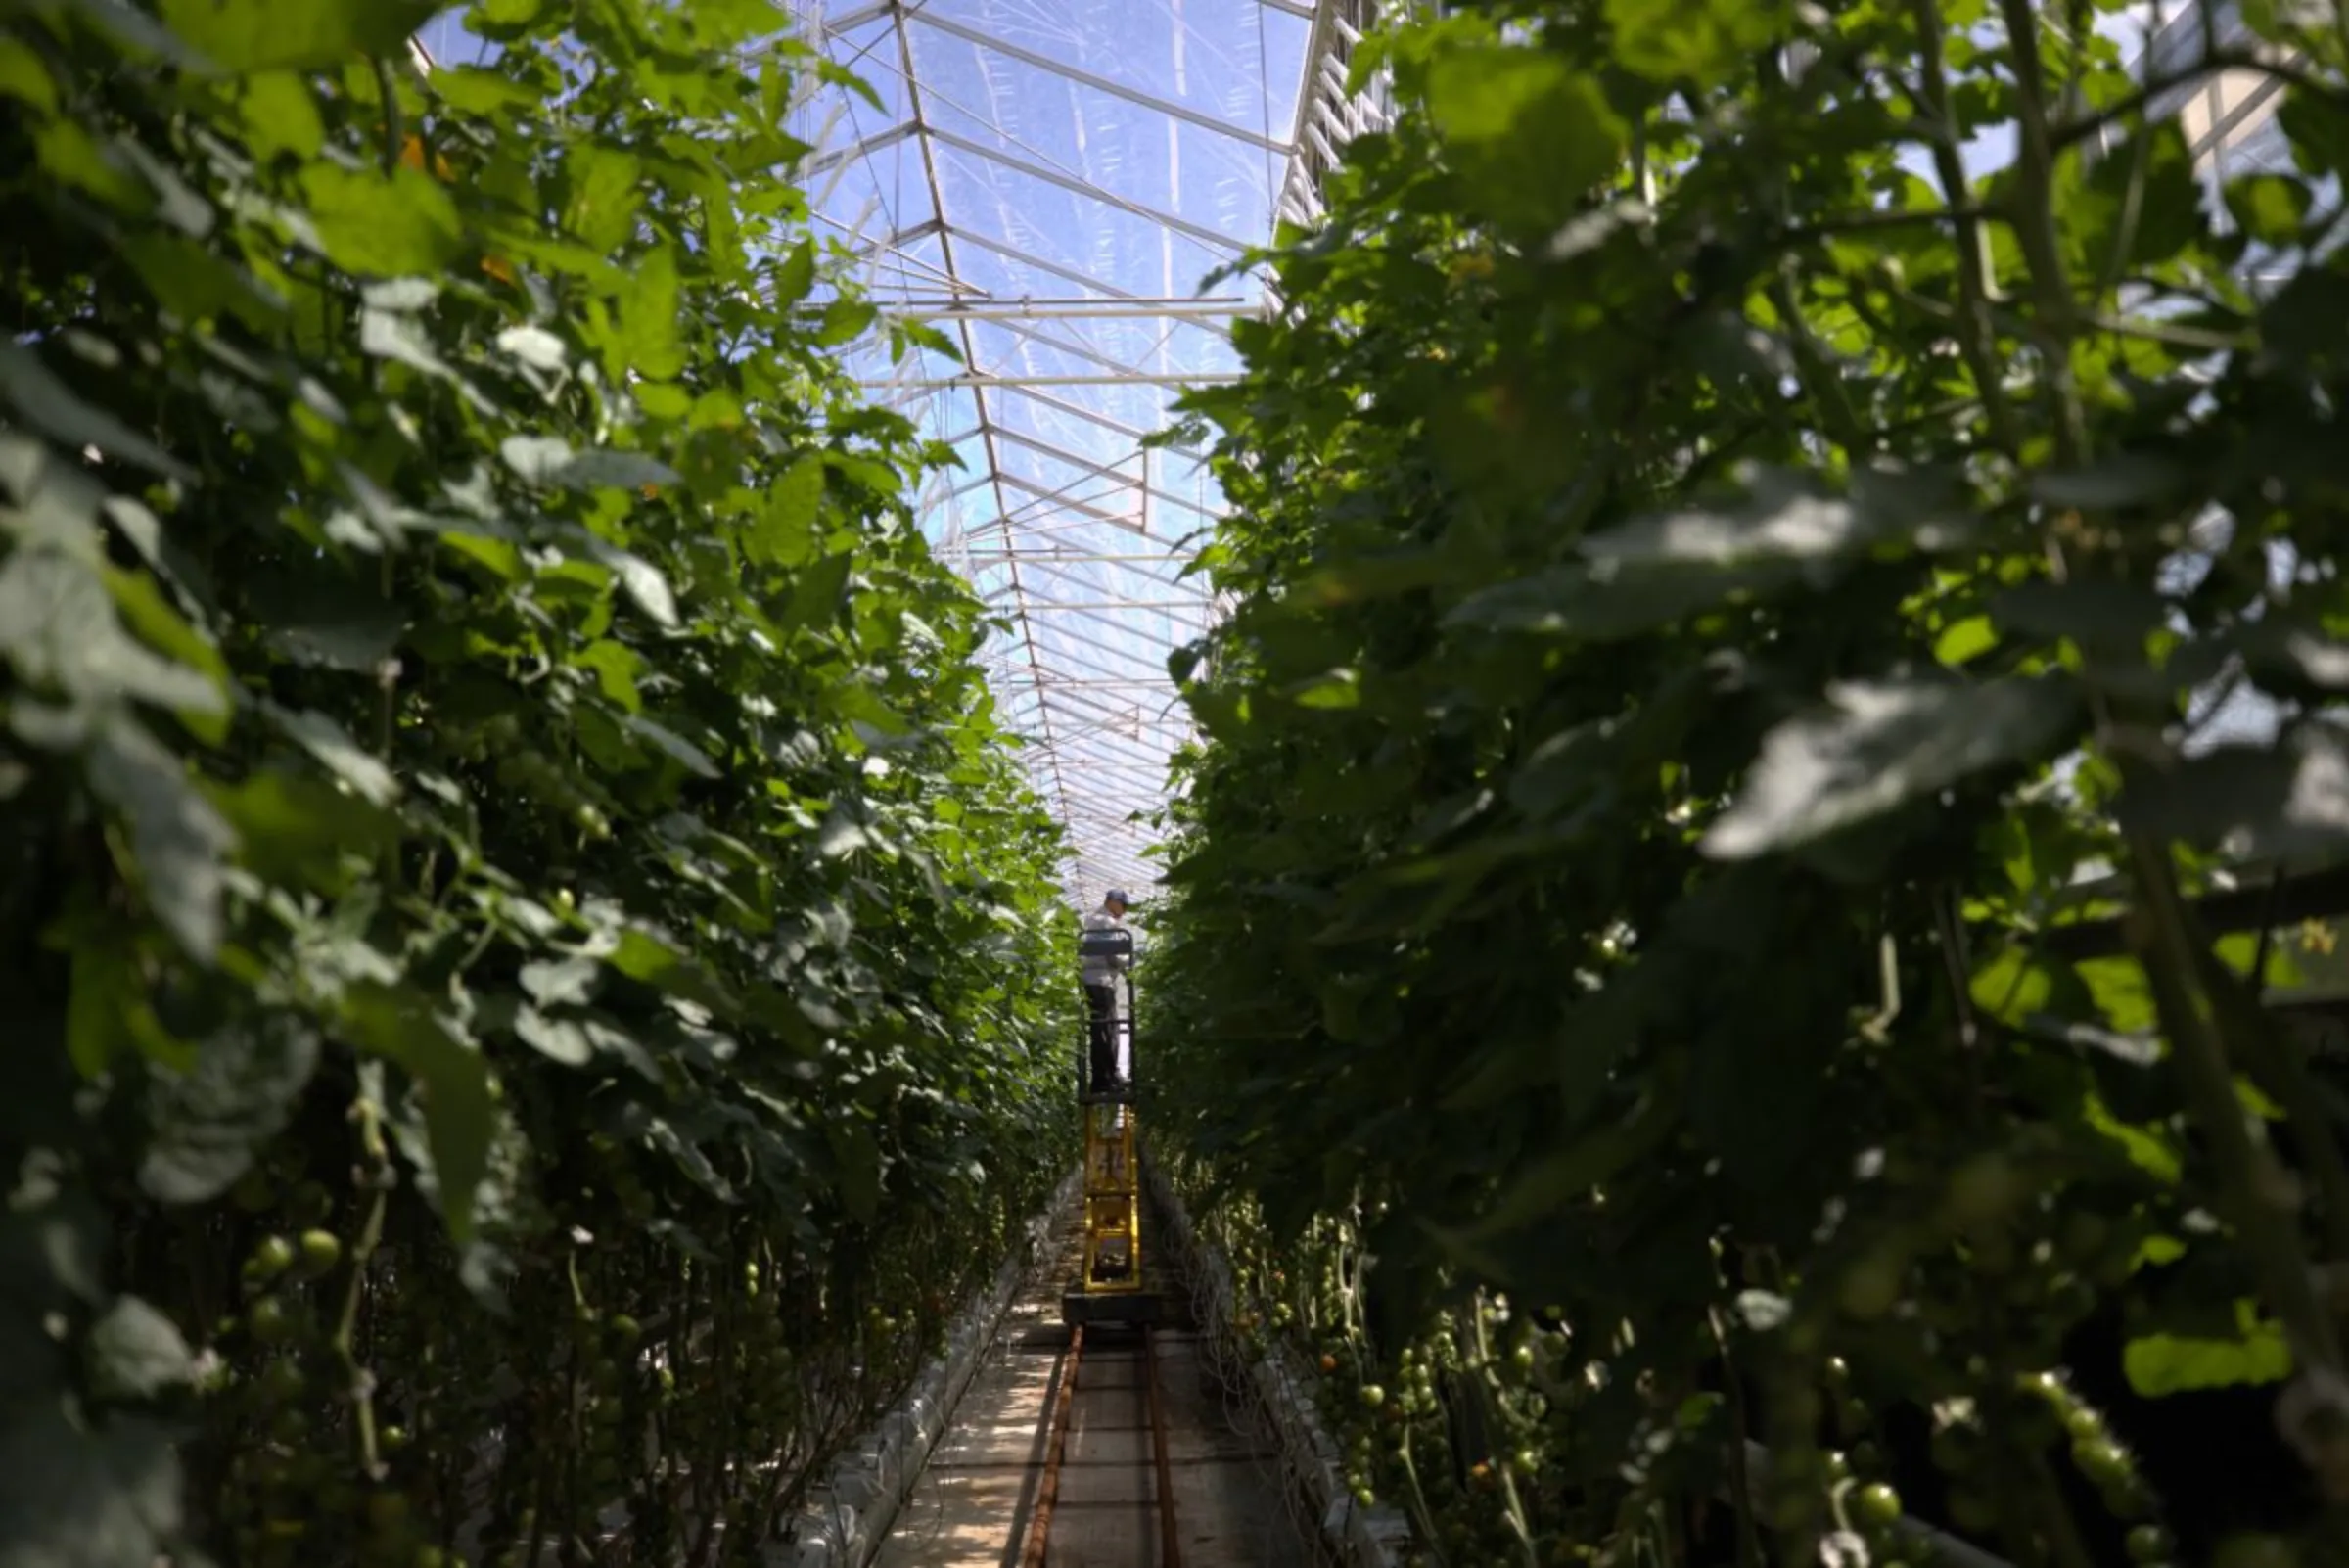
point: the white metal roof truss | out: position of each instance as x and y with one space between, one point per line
1050 184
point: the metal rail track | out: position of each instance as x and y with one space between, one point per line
1035 1549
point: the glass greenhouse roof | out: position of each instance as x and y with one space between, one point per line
1050 184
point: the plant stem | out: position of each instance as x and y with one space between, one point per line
1977 344
1512 1506
1741 1496
358 1381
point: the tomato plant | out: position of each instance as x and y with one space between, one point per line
1728 586
521 928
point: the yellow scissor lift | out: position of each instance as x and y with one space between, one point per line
1110 1284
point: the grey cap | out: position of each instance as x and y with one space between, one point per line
1116 895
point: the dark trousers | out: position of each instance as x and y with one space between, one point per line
1103 1003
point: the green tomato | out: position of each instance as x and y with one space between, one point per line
272 1258
1877 1505
2102 1462
2082 1424
321 1250
269 1321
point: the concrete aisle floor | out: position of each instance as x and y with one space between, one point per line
970 1508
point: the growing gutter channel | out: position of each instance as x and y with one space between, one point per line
848 1515
1152 1422
1311 1462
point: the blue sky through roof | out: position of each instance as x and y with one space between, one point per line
1080 169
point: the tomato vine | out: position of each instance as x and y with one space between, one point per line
1728 585
521 928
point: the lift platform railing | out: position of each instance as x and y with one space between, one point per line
1117 946
1110 1284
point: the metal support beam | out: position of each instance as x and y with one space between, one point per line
928 18
1082 679
1106 765
834 27
970 349
1076 186
1132 723
1095 416
1135 378
1135 738
1097 750
1062 501
823 162
899 240
1091 466
1124 603
1062 575
1028 516
1067 309
1326 117
1028 259
1130 661
997 555
1063 456
1032 332
1141 737
1102 748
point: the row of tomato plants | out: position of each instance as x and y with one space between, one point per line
1775 555
1464 1424
521 928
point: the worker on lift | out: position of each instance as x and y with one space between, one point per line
1100 971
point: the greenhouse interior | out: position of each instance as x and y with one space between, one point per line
1123 783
